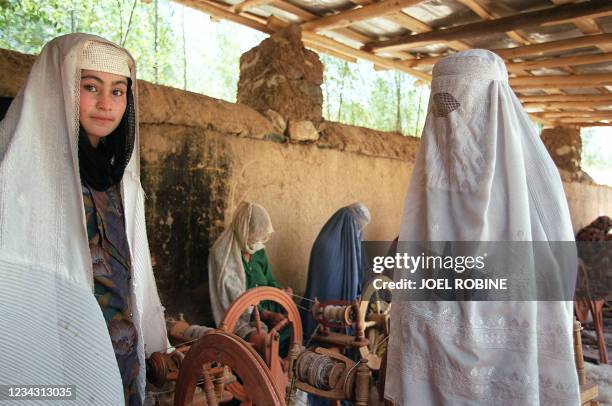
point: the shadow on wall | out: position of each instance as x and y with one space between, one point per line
185 202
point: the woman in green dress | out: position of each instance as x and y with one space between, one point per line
237 262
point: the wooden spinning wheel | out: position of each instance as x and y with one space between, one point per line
374 313
265 343
228 350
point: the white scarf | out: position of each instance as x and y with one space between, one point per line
53 331
481 174
251 226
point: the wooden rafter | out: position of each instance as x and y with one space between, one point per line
561 81
412 24
534 49
522 20
316 46
224 13
299 12
571 20
346 18
541 120
577 115
563 61
323 43
584 98
582 120
569 104
583 124
477 7
408 22
555 46
247 4
347 33
384 62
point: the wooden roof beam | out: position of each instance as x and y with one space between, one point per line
412 24
377 60
541 120
585 98
555 46
534 49
477 7
561 81
581 115
562 61
317 47
345 32
521 20
247 4
570 20
587 26
583 124
346 18
219 11
569 104
583 120
408 22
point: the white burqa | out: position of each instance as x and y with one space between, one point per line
481 174
53 331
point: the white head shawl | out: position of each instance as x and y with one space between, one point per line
250 225
53 331
481 174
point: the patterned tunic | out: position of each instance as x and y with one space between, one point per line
112 280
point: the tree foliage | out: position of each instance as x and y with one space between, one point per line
597 147
354 93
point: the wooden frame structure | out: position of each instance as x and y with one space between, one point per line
558 52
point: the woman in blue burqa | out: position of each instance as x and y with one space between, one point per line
337 260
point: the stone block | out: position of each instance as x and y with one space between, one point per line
302 130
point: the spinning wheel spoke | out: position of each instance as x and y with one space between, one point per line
265 343
374 313
257 318
228 350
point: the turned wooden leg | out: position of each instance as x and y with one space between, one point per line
578 353
597 311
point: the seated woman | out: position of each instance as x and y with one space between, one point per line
72 224
237 262
337 261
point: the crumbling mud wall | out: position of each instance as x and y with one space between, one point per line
565 147
587 201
